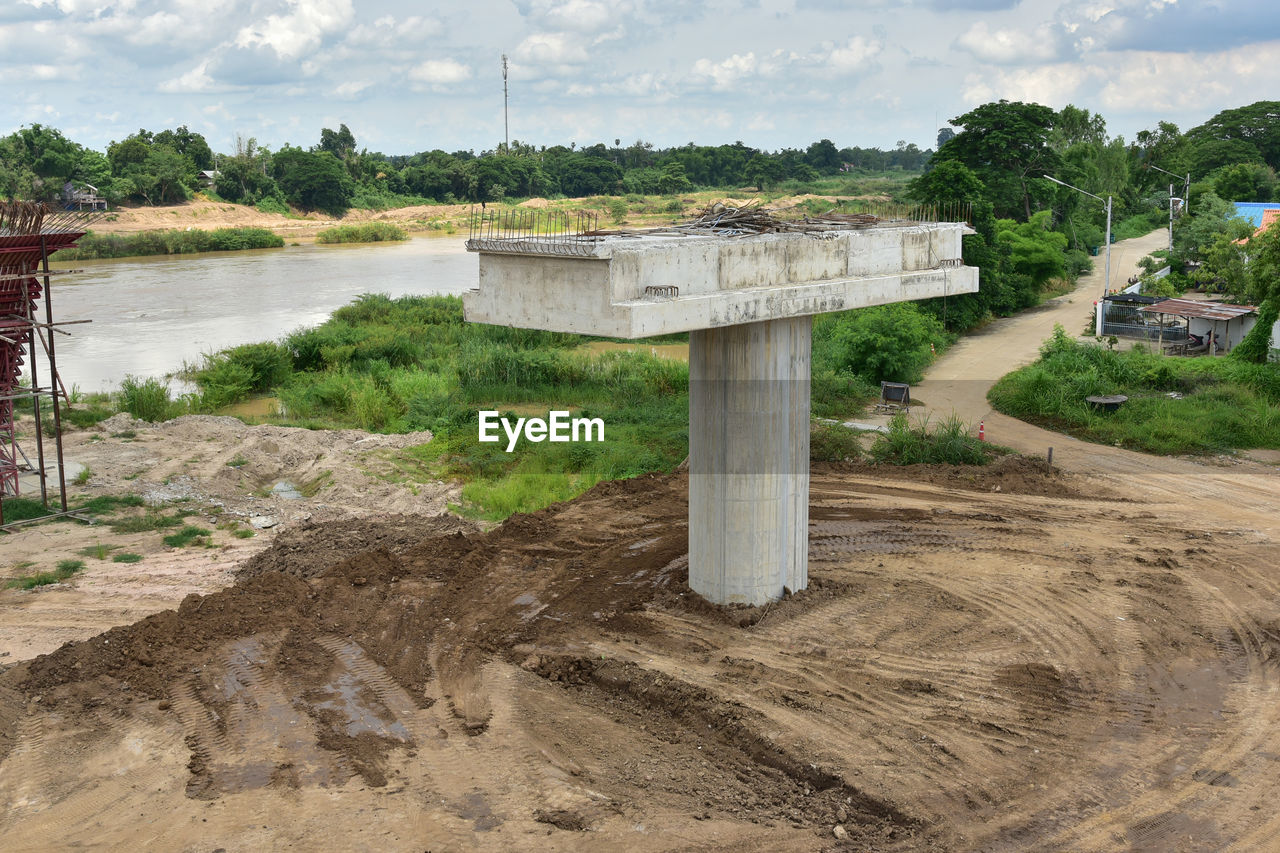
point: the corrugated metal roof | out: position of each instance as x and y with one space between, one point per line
1197 308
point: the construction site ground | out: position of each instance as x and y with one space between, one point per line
1013 657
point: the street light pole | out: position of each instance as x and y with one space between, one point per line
1106 285
1186 187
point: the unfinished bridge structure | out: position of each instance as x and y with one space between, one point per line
745 284
29 233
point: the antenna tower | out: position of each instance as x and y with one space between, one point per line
506 129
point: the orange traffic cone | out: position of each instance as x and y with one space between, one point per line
982 432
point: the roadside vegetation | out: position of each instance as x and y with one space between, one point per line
171 242
1175 406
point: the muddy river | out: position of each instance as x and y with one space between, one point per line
152 314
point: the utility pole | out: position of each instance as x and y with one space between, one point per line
506 128
1106 284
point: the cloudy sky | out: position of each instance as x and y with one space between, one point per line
407 76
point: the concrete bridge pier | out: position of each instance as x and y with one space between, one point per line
749 460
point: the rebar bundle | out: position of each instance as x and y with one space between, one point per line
553 232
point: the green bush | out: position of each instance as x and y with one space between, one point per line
367 232
145 399
951 442
172 242
834 443
885 343
233 374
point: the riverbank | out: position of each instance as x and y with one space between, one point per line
424 219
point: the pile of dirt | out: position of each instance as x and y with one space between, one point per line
308 549
1014 474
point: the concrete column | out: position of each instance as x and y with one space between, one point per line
749 460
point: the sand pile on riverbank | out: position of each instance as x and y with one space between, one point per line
985 659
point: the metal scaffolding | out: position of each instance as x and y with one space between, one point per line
29 233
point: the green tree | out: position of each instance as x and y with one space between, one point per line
673 180
1257 125
765 171
824 157
313 180
341 143
949 181
1074 125
1006 144
189 144
1245 182
885 343
1035 250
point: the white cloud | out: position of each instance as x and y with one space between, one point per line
1012 46
1153 81
551 49
725 73
439 72
583 16
854 54
1052 85
299 31
351 88
195 80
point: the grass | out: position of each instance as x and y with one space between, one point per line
949 442
84 475
1176 406
107 504
368 232
834 443
169 242
63 570
146 399
188 535
146 522
22 509
126 557
98 551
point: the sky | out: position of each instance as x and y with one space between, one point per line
413 76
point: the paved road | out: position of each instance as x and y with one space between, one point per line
1242 490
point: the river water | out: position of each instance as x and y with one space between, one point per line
152 314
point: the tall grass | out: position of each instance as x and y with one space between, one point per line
949 442
145 399
171 242
366 232
1175 406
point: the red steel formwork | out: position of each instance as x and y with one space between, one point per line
29 233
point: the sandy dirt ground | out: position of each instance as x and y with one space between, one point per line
228 476
1006 658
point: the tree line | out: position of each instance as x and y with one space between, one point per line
165 167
